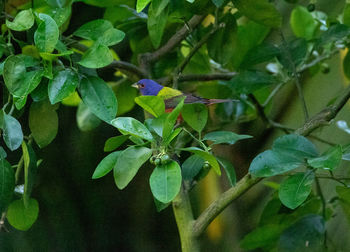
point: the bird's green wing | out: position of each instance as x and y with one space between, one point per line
167 93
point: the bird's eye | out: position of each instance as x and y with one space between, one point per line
141 85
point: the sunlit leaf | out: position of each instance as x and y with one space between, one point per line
46 36
24 20
133 127
22 217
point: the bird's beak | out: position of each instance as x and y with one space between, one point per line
135 85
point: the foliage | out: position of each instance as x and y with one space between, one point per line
46 62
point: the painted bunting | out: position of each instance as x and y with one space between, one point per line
172 96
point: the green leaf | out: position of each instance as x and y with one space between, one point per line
59 14
249 35
114 142
346 15
3 153
59 3
46 36
160 205
206 156
156 124
295 189
247 82
159 6
346 62
129 125
260 54
229 169
22 217
97 56
156 25
344 199
18 80
303 24
192 166
7 183
43 122
102 31
141 4
307 234
261 237
24 20
106 165
86 120
126 95
11 131
30 170
228 137
169 122
128 163
220 44
328 160
270 163
293 54
334 33
195 115
152 104
99 98
295 145
260 11
62 85
165 181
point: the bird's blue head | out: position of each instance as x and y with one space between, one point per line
148 87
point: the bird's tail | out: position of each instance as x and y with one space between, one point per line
215 101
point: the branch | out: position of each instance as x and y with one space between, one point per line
247 181
200 77
147 58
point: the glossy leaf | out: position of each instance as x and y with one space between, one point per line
306 234
22 217
228 137
7 183
165 181
86 120
30 170
46 36
206 156
129 125
191 167
334 33
229 169
114 142
62 85
295 189
248 82
128 163
159 6
195 115
156 25
18 80
169 122
106 165
58 3
43 122
270 163
261 237
261 11
303 24
328 160
141 4
11 131
99 98
24 20
152 104
97 56
102 31
295 145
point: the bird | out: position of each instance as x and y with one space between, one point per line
172 96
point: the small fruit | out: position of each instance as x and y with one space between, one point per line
165 159
311 7
325 68
206 165
157 161
152 159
